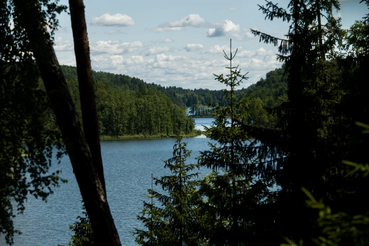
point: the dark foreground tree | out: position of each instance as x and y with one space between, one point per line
30 20
27 145
232 197
82 231
315 131
172 222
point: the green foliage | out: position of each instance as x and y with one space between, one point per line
266 94
83 234
145 111
343 227
27 145
326 92
173 221
231 195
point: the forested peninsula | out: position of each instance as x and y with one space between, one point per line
130 107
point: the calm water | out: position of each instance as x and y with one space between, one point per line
128 166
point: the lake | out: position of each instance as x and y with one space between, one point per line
128 165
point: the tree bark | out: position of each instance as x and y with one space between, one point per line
92 191
86 83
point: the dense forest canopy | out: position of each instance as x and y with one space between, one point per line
140 112
266 93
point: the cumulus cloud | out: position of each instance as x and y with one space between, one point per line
260 52
184 71
156 50
233 9
113 20
222 28
245 53
245 34
115 31
194 20
106 62
61 44
168 40
193 47
134 60
168 29
115 47
216 49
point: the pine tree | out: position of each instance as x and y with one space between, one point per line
232 196
312 135
173 221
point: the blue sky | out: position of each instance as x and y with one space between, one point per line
180 42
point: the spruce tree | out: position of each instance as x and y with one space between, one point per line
232 196
172 222
312 135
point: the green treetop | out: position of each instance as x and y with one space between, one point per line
173 221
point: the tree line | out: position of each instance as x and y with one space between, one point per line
135 112
265 94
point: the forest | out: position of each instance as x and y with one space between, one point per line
293 173
115 94
138 111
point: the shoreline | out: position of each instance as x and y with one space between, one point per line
143 136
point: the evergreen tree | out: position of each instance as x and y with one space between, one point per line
312 134
173 221
83 234
232 196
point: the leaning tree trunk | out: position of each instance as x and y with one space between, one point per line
86 83
92 191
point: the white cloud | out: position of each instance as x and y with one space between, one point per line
115 47
61 44
156 50
168 40
245 34
115 31
245 53
260 52
222 28
193 47
185 71
233 9
168 29
217 49
111 47
113 20
134 60
193 20
106 62
131 46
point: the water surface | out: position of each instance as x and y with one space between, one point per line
128 165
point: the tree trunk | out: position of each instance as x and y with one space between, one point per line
92 191
86 84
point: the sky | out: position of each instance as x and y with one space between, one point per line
180 42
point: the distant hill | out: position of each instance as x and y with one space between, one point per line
273 86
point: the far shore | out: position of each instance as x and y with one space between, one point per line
147 136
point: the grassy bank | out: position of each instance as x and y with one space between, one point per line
145 136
